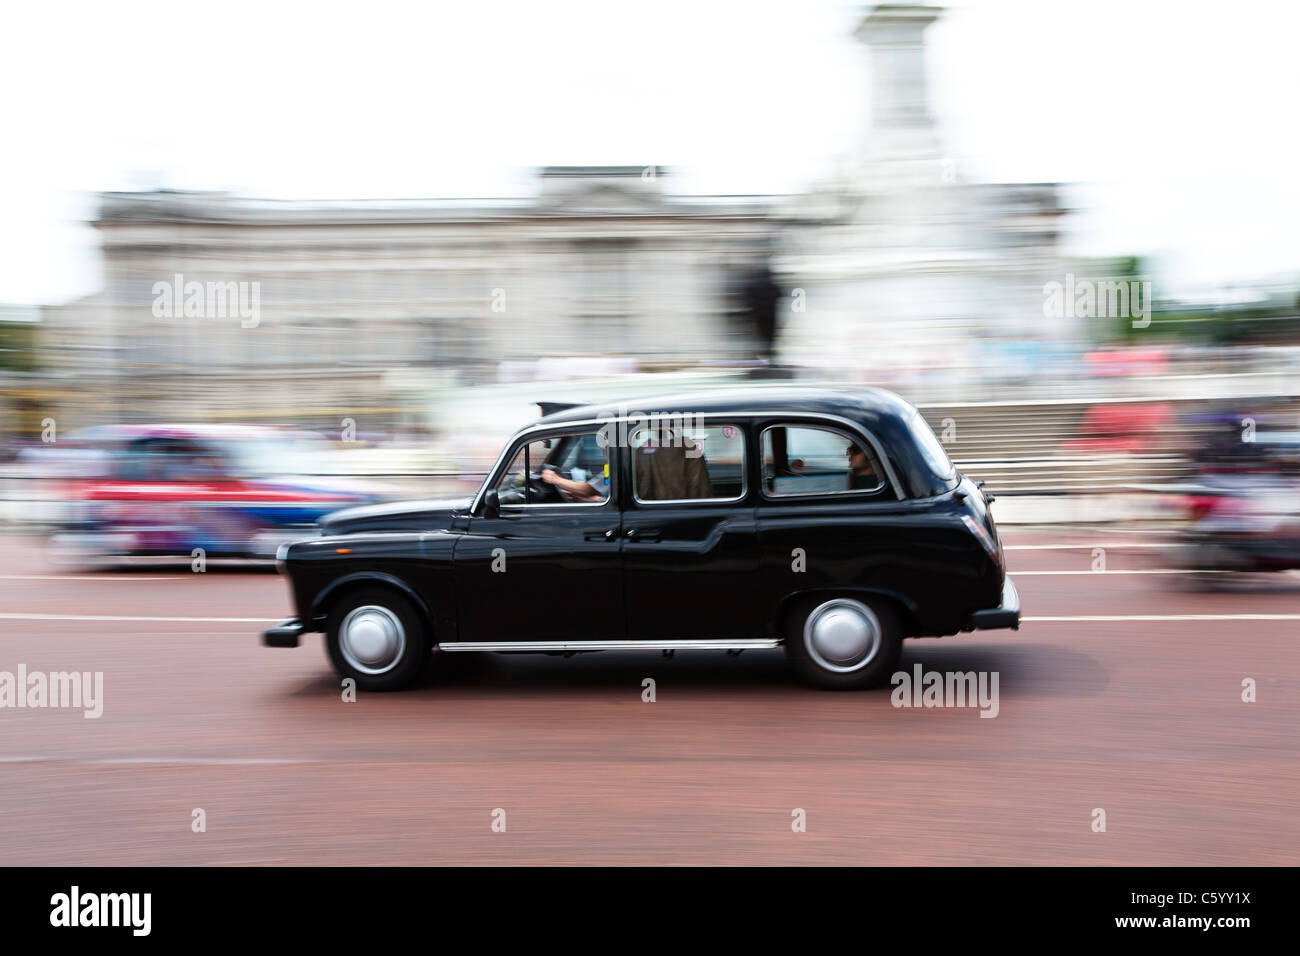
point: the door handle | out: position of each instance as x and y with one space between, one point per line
608 535
642 534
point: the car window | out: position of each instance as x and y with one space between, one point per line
678 463
808 460
193 461
273 455
559 469
936 458
141 461
170 460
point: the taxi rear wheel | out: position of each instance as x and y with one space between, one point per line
376 637
844 643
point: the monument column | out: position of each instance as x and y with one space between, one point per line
901 124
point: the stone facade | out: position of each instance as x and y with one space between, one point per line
603 261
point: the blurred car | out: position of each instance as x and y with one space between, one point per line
1243 504
231 490
831 523
1125 428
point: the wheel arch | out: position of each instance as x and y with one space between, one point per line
908 611
339 588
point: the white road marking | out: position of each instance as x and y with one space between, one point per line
1113 545
88 577
1102 574
120 617
1163 617
185 761
1027 620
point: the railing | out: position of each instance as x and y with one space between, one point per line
1018 448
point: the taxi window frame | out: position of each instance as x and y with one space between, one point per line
739 423
560 432
884 492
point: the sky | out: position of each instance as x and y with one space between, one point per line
1173 122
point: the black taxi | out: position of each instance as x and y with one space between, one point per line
828 522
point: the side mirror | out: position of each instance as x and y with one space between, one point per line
492 504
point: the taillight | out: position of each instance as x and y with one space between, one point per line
986 540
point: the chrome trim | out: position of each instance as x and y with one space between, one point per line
687 501
561 428
700 645
821 646
559 504
372 639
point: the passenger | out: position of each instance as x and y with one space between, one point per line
862 476
671 467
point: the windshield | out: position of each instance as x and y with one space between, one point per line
269 457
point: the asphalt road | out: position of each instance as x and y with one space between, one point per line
1122 692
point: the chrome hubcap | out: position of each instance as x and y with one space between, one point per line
371 639
842 635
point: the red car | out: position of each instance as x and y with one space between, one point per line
231 490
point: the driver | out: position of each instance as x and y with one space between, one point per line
577 488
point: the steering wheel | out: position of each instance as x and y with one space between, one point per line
542 492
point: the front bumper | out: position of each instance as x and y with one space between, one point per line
1005 615
284 635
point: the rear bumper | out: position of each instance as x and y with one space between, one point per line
283 635
1005 615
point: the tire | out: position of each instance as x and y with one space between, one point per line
375 636
844 643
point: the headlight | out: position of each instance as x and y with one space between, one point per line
281 555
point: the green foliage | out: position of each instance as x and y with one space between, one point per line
18 346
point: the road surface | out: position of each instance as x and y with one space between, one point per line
1122 692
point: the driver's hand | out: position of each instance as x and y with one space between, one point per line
549 476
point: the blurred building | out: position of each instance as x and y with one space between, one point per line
897 268
360 304
900 265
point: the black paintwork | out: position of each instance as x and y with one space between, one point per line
662 570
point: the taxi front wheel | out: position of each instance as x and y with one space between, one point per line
376 637
844 643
